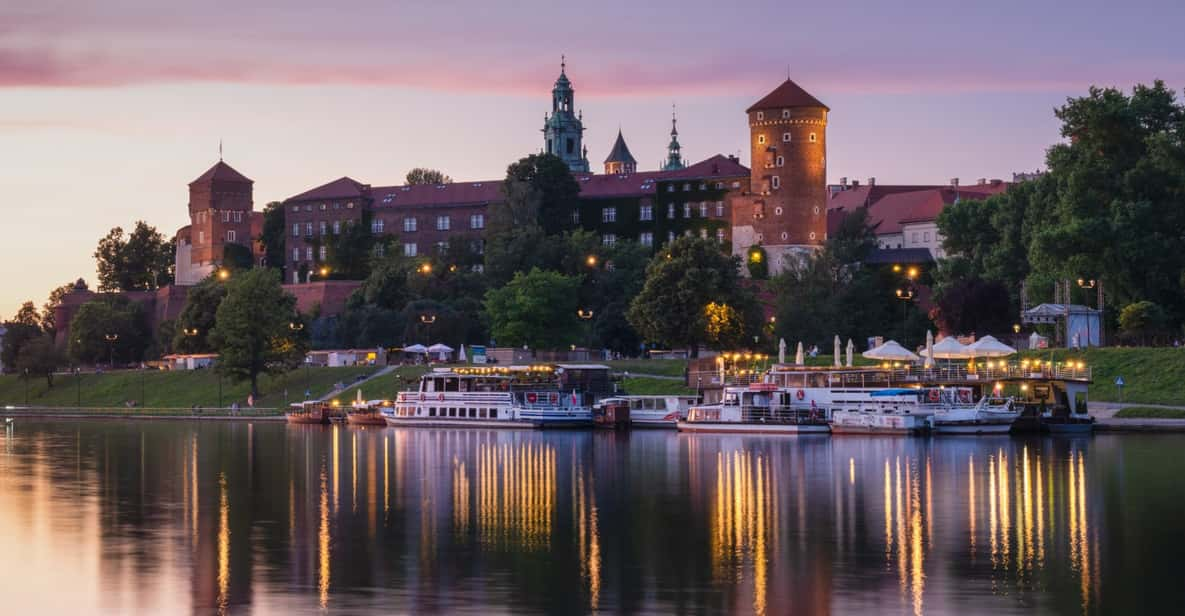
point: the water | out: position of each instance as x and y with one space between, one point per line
179 517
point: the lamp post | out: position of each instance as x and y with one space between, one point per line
1087 285
111 338
26 387
142 370
295 328
223 274
586 316
906 296
428 320
77 387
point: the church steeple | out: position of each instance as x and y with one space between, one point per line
620 160
563 130
674 150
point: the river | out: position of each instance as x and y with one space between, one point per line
176 517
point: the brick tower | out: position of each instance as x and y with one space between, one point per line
220 213
787 211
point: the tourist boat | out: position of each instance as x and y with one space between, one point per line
886 411
309 413
544 396
369 415
758 408
654 411
990 416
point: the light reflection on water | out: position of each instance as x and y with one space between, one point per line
235 518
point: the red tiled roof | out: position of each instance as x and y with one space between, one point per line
789 94
890 211
221 172
341 188
455 193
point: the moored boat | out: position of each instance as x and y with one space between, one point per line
989 416
370 415
895 411
309 413
654 411
759 408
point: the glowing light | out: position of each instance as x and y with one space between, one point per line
223 546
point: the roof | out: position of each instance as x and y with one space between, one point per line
341 188
620 152
891 206
892 210
789 94
222 172
455 193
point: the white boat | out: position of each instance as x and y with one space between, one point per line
654 411
885 411
759 408
989 416
511 397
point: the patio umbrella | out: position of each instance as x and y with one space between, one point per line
929 349
891 351
798 361
990 347
950 348
461 355
851 350
417 349
358 397
782 351
835 353
440 349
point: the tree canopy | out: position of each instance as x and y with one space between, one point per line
273 237
252 330
422 175
109 329
537 309
143 260
197 319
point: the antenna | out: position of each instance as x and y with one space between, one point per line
220 149
563 62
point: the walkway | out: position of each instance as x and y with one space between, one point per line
337 392
1104 413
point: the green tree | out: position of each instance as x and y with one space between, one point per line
757 261
541 187
141 261
114 317
237 257
537 309
1141 321
421 175
197 318
39 358
16 335
27 315
48 320
273 236
680 283
252 329
352 249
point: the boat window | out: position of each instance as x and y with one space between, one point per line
473 412
432 411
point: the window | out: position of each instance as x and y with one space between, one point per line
609 214
785 236
477 247
670 236
776 182
322 253
308 207
760 115
761 139
670 210
443 223
816 210
337 227
703 209
296 254
295 277
760 237
785 114
225 215
477 221
814 138
230 235
785 137
295 229
409 224
780 161
295 208
646 238
337 206
778 211
720 235
646 212
308 253
441 248
608 239
324 227
915 237
201 237
308 229
238 217
720 208
409 249
350 205
812 236
377 225
379 250
670 188
736 184
323 207
686 210
686 187
926 236
479 268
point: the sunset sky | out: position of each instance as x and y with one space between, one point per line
108 109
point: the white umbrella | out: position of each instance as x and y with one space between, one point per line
358 397
891 351
929 349
461 355
851 350
798 361
440 348
990 347
835 353
418 349
950 348
782 351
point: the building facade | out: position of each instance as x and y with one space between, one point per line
221 212
563 130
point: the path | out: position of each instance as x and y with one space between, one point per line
336 392
1104 413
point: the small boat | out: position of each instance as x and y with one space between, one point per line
989 416
889 411
370 415
611 414
655 411
759 408
309 413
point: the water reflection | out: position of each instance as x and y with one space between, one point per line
229 518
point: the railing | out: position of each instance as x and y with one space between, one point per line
456 397
872 376
783 415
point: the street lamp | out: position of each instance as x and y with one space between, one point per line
586 316
297 327
111 338
1090 284
323 272
906 296
425 269
223 273
591 260
428 320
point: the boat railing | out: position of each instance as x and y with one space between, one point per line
474 397
783 414
888 377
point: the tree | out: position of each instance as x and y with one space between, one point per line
38 357
27 315
421 175
109 329
273 237
536 309
142 261
252 331
16 336
48 320
237 257
540 184
973 305
1142 320
680 283
197 318
351 250
723 326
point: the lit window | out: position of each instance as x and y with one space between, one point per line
308 207
785 137
686 210
720 235
230 235
609 214
608 239
322 252
761 139
703 209
308 253
295 229
670 236
350 205
296 254
323 207
409 224
814 138
720 208
477 221
686 187
337 227
670 210
736 184
646 212
324 227
409 249
295 208
441 248
646 239
337 206
575 217
442 223
376 226
776 182
308 229
670 188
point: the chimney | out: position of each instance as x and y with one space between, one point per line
855 183
872 181
997 181
954 182
981 181
843 181
733 158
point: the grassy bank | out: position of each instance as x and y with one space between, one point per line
1150 375
1145 412
175 389
643 386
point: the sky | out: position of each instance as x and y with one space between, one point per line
109 109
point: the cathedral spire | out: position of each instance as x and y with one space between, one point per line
674 150
563 130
